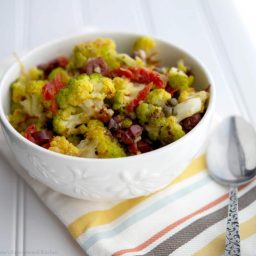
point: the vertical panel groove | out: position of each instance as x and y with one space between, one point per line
221 49
20 45
148 17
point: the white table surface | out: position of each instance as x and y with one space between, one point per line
211 30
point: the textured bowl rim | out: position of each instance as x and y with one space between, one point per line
185 52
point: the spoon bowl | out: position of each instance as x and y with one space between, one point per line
231 152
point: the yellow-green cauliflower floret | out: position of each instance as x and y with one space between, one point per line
158 127
36 74
86 93
144 43
61 145
179 79
99 143
147 112
126 91
158 97
66 121
101 47
27 93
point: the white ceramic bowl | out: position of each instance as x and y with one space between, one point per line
106 179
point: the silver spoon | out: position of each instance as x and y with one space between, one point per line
231 160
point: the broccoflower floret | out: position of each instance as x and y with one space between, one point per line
147 112
66 122
101 47
61 145
99 143
87 93
179 79
144 43
158 97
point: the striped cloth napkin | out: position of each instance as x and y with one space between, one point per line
188 217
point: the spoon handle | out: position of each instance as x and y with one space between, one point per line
232 232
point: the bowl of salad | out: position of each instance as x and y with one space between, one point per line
106 116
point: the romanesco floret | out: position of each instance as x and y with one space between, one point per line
65 77
66 122
35 73
158 127
147 112
144 43
87 93
164 129
35 87
103 87
101 47
99 143
32 103
170 131
126 91
18 91
158 97
61 145
77 91
179 79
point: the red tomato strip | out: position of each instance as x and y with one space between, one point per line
41 138
140 75
140 97
29 131
50 91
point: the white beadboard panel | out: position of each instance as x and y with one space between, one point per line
8 209
43 231
181 22
237 51
47 20
7 28
200 26
114 15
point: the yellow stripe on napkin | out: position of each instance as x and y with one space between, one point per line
97 218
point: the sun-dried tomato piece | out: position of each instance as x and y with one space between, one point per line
144 146
54 106
171 90
122 72
50 91
124 136
52 88
61 61
133 149
140 75
41 138
103 116
29 131
140 97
